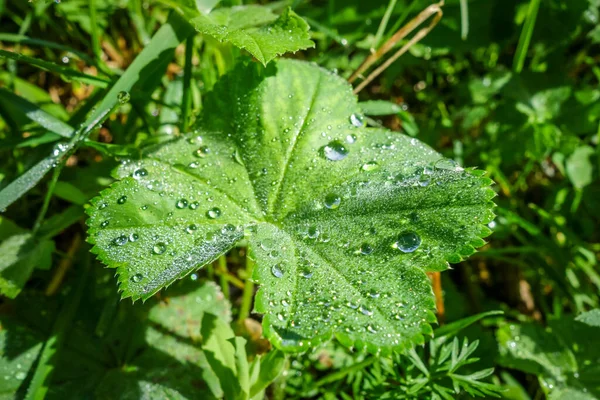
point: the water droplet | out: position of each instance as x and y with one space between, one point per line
370 166
313 232
366 249
332 201
424 180
357 120
159 248
102 206
121 240
306 272
182 203
104 224
123 97
133 237
351 138
213 213
194 205
65 60
366 311
228 229
140 173
408 242
237 157
447 164
202 152
277 270
334 151
191 228
122 200
137 278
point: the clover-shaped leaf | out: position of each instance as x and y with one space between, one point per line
343 221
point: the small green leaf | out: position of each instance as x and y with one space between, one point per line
579 166
269 367
257 30
342 220
20 253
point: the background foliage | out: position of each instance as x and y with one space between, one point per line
508 86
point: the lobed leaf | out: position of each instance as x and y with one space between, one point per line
257 30
342 220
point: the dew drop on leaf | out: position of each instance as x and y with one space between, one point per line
313 232
357 120
123 97
277 270
159 248
365 249
133 237
351 138
194 205
332 201
408 242
122 200
137 278
334 151
191 228
202 152
121 240
104 224
213 213
139 173
370 166
182 203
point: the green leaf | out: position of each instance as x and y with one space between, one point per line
269 368
342 220
257 29
579 166
563 355
20 253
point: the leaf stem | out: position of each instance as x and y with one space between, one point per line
224 283
248 291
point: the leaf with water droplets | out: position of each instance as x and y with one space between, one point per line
342 220
257 30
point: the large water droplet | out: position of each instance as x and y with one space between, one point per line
408 242
123 97
121 240
202 152
277 270
332 201
104 224
182 203
357 120
137 278
122 200
213 213
365 249
139 173
159 248
334 151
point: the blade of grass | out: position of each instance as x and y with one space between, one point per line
162 45
384 21
22 39
41 378
36 114
186 101
464 19
526 33
67 74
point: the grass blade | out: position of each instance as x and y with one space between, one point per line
525 38
464 19
143 68
36 114
67 74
